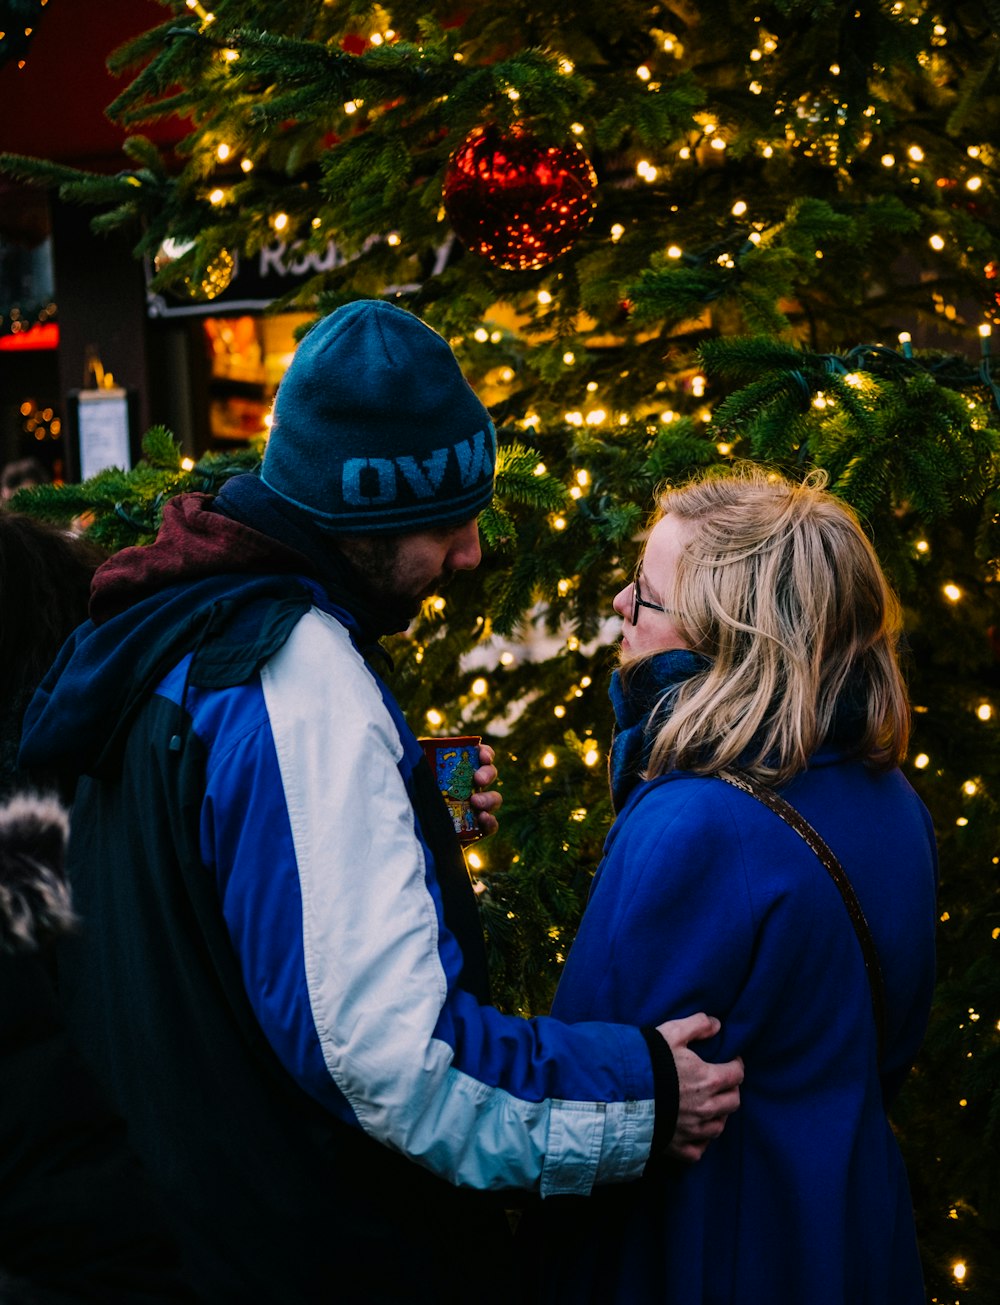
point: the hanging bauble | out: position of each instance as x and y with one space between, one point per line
516 201
207 284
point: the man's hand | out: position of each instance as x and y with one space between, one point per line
486 803
708 1093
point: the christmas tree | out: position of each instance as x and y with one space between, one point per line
661 237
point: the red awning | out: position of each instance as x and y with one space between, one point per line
54 105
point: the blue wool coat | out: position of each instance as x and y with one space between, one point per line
706 900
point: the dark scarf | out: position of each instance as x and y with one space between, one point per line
643 697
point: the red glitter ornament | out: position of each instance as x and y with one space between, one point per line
515 201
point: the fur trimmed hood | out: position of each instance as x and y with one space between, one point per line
34 895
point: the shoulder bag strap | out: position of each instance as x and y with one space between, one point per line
839 876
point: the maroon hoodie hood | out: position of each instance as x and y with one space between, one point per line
193 542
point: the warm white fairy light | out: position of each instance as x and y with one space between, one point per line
506 658
921 761
393 238
951 592
970 788
959 1269
974 183
739 208
922 546
540 469
916 153
187 464
936 242
574 418
549 760
217 196
280 221
596 416
617 231
566 66
984 711
888 160
474 860
569 358
434 717
643 73
482 335
674 251
351 106
577 128
591 757
246 165
544 297
559 710
222 152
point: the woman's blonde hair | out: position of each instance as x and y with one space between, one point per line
779 587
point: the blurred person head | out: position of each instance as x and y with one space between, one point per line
45 576
22 474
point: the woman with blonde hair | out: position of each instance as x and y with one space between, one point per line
768 863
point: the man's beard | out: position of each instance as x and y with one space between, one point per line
375 560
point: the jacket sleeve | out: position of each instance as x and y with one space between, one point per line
335 915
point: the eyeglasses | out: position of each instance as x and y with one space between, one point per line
638 600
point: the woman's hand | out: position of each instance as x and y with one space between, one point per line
486 803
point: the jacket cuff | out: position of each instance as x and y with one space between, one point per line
666 1092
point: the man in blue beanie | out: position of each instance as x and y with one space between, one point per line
281 977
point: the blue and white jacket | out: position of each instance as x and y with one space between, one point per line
270 965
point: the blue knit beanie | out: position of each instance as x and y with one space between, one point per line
375 428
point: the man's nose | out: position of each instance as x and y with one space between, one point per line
465 553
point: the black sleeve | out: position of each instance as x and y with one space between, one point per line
666 1088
